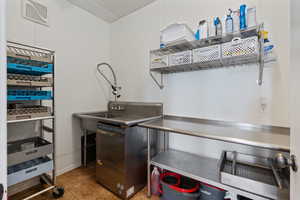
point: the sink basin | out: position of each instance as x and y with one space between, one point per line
102 115
121 113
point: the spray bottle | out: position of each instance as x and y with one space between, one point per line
218 26
155 182
229 22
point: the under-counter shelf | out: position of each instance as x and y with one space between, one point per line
200 168
28 149
27 170
268 137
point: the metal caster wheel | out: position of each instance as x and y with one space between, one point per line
42 181
58 192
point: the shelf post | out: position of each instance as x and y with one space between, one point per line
148 163
261 55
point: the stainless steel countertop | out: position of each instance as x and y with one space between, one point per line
269 137
127 120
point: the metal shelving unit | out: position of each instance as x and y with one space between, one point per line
30 82
242 55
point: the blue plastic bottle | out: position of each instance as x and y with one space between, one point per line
243 17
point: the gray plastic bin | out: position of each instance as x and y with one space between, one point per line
27 170
34 148
208 192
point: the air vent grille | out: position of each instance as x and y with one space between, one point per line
35 12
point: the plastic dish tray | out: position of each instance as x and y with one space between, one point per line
28 54
241 48
28 149
23 95
207 54
21 66
27 80
27 170
159 61
28 112
181 58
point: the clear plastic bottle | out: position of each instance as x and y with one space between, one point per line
229 22
155 176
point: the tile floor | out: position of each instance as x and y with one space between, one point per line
79 184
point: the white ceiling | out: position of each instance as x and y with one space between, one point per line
111 10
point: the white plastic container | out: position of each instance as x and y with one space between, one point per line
203 30
236 20
241 48
181 58
159 61
175 34
211 27
207 54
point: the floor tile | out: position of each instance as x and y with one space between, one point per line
79 184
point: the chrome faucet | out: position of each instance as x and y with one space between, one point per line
115 88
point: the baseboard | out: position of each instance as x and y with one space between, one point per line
67 169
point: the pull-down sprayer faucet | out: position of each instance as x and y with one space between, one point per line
114 85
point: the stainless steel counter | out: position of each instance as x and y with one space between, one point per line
269 137
205 169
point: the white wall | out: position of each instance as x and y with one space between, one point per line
80 41
229 94
3 135
295 95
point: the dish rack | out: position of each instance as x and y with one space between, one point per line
16 112
239 48
30 81
251 173
27 80
23 95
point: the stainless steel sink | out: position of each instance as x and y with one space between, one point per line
120 113
102 115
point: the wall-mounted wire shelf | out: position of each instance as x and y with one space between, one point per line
244 47
250 32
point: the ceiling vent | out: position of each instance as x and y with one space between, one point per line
35 12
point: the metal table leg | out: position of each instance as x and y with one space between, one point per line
166 140
148 164
85 148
